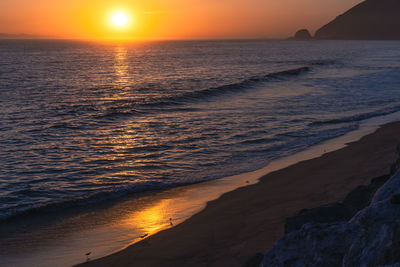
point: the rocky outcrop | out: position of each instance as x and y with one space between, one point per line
370 20
313 245
379 241
303 34
356 200
370 238
336 212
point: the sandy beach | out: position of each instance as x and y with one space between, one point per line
246 221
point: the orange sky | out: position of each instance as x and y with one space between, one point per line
168 19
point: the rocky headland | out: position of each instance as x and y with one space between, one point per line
369 20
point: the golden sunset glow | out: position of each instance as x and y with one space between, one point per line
161 20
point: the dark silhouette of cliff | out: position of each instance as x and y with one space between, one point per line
369 20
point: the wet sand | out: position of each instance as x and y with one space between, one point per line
250 219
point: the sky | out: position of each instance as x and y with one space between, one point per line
167 19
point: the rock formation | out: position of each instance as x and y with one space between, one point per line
370 238
355 201
369 20
302 35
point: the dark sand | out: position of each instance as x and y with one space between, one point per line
251 219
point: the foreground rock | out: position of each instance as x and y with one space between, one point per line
313 245
356 200
379 241
370 238
336 212
370 20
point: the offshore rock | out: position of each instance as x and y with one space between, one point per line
303 34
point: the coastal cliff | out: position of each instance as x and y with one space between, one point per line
369 20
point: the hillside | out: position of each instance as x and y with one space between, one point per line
369 20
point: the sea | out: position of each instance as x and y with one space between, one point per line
87 122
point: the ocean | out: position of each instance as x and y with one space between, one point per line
86 122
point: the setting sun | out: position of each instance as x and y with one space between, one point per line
120 19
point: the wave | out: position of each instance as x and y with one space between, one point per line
322 62
357 117
118 113
215 91
128 107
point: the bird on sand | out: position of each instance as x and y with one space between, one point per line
87 256
143 236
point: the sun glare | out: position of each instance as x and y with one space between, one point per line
120 19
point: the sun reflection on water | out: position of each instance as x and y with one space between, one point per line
121 66
152 218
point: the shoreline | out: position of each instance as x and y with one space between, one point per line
109 229
250 219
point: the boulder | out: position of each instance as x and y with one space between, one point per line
379 242
336 212
390 188
356 200
313 245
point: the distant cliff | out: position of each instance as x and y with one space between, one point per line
370 20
